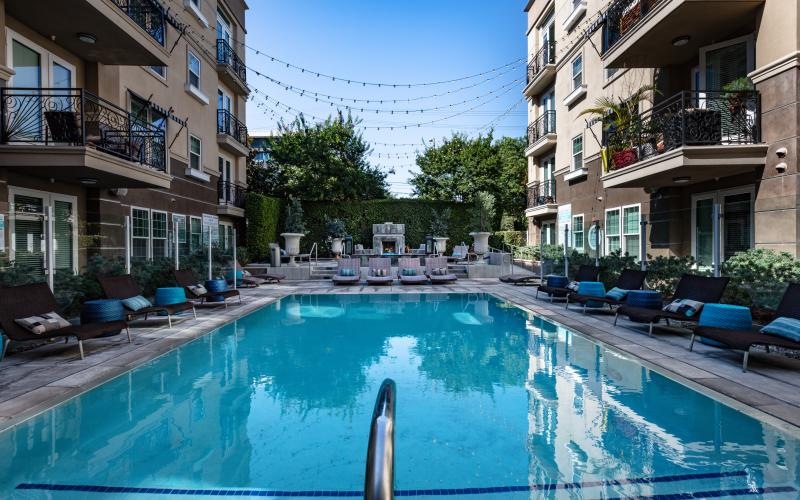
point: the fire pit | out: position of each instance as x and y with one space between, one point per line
388 238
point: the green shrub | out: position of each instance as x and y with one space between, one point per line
293 223
663 273
759 276
263 215
499 239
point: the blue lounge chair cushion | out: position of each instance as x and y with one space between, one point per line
592 289
617 294
136 303
408 272
788 328
345 271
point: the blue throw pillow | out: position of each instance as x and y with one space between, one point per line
687 307
617 294
408 272
788 328
345 271
136 303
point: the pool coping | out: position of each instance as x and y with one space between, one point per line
776 412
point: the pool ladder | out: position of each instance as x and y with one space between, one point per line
379 478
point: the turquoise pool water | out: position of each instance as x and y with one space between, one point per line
492 403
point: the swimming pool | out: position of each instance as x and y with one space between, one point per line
492 402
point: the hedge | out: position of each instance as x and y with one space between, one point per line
263 215
514 238
359 216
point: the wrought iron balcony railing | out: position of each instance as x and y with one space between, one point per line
148 14
542 193
546 55
75 117
623 16
230 125
231 194
227 56
545 124
689 118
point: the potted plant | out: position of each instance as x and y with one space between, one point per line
439 227
294 229
621 121
482 214
336 233
737 93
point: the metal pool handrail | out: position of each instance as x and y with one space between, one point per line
379 479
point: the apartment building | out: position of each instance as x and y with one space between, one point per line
115 109
704 146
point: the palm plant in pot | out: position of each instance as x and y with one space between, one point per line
439 227
483 213
336 233
622 123
294 229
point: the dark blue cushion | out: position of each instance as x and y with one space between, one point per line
788 328
617 294
592 289
136 303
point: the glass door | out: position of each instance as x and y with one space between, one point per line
548 103
736 224
226 192
548 179
223 119
703 237
28 230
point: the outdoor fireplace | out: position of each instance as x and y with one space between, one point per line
388 238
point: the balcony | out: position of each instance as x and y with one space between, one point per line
690 137
542 134
231 133
124 32
231 68
72 135
658 33
231 198
542 199
541 70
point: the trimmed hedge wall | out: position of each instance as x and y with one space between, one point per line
263 215
359 217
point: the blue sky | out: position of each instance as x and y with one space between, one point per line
391 41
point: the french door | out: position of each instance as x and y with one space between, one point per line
225 177
27 226
736 224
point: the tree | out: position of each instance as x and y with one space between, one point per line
460 168
321 162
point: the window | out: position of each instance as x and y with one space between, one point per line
577 232
577 152
630 230
161 71
577 72
140 233
194 71
195 233
195 150
612 230
159 234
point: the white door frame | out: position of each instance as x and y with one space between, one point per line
47 200
733 41
46 60
718 196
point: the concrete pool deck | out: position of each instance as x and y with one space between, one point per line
34 380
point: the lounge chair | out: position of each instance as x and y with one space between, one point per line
248 279
629 279
436 269
422 250
124 287
461 253
186 279
700 288
743 340
380 271
418 278
35 299
351 264
521 279
585 273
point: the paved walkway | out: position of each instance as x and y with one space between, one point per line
35 380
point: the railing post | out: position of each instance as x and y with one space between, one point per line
3 138
597 243
235 260
126 228
210 277
643 243
566 245
49 258
379 477
541 254
716 215
175 235
83 116
683 119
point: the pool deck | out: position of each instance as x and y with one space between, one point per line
34 380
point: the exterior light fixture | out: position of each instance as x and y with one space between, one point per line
87 38
87 181
681 180
681 41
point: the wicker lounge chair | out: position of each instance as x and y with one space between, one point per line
461 253
585 273
700 288
419 278
432 267
629 279
743 340
355 265
35 299
380 265
124 287
521 279
186 278
260 278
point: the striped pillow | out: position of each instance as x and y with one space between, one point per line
198 289
42 323
345 271
136 303
408 272
788 328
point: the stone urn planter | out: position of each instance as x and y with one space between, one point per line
481 244
440 244
292 246
336 247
